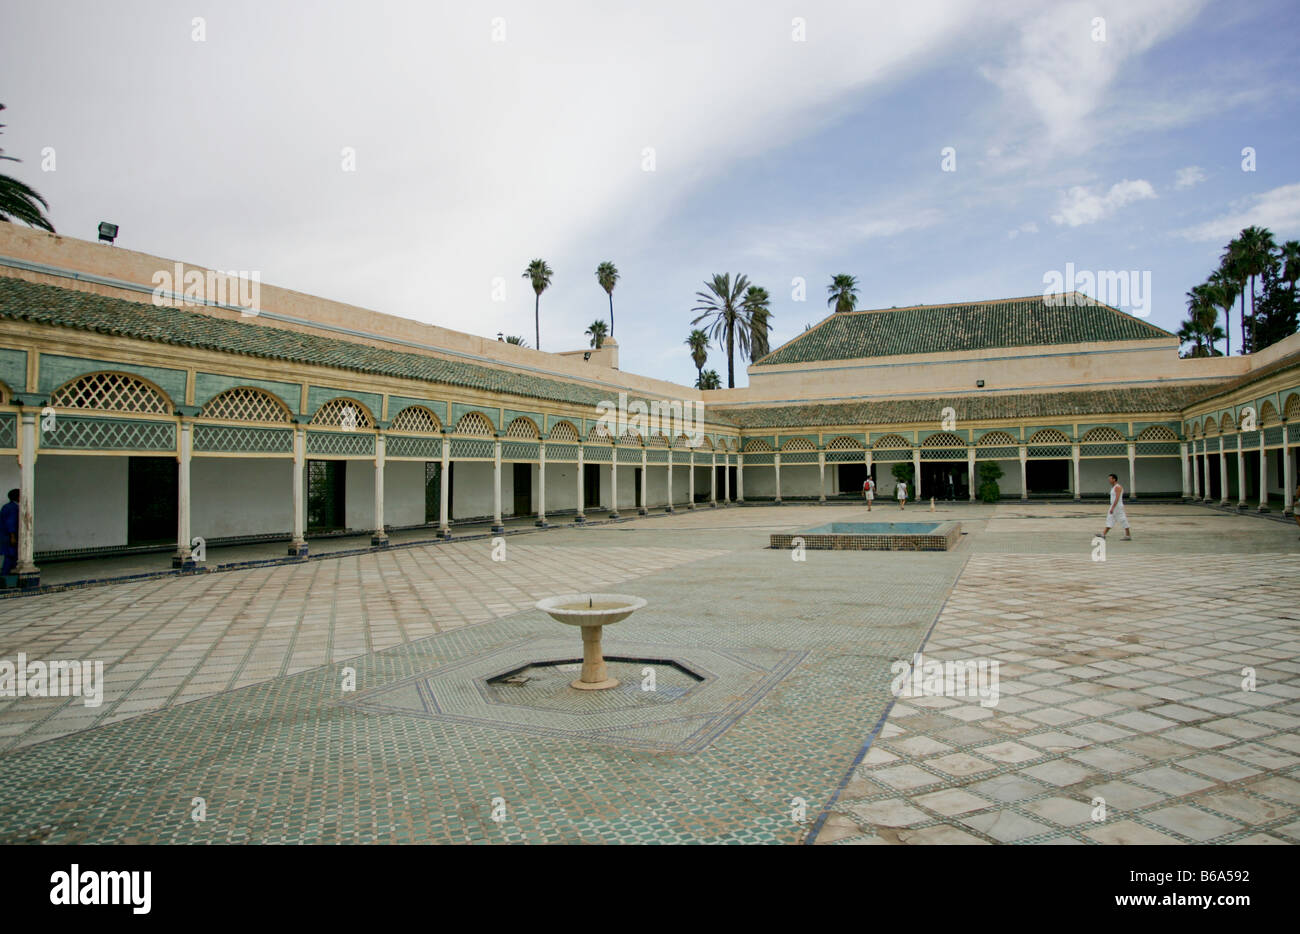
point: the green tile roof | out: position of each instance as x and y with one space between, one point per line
1011 322
1085 404
71 308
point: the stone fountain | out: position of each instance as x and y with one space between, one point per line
591 611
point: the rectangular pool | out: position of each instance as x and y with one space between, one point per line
872 536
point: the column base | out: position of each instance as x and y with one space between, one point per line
498 530
670 510
379 541
642 511
1262 509
444 533
778 502
542 524
579 520
297 549
613 515
713 504
29 580
183 563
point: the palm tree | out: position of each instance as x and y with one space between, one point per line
757 305
19 201
1291 262
843 292
607 276
729 322
1224 293
1256 249
516 340
698 341
597 333
1201 327
540 275
1230 264
709 380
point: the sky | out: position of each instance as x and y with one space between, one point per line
412 158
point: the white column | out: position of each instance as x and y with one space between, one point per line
497 525
821 476
613 482
916 475
776 462
380 538
298 544
541 485
1205 466
1223 474
726 477
1131 492
866 460
29 575
1263 474
184 557
581 517
645 482
1182 460
1288 473
1024 475
970 472
1196 472
691 481
1074 453
740 477
1241 471
670 480
713 478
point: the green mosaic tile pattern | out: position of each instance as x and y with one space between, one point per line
1019 322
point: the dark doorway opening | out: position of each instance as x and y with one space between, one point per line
852 476
1216 487
152 498
636 484
523 477
432 491
1047 476
945 480
326 495
590 486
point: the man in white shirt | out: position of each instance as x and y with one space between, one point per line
1116 512
869 491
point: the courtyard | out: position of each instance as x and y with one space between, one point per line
357 697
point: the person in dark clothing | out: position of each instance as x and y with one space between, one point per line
9 533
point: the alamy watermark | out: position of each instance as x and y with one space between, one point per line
235 288
1129 289
971 677
55 678
669 418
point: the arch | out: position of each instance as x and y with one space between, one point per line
997 439
522 429
1048 436
417 418
754 444
892 441
798 444
843 443
943 439
658 440
1227 423
564 431
1103 434
474 423
630 436
600 433
348 414
1267 414
683 441
246 404
109 391
1291 410
1211 426
1156 433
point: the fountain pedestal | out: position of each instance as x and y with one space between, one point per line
591 612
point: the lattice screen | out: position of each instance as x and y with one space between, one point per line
599 433
1103 436
756 445
1049 436
629 437
522 429
658 440
473 423
891 441
416 418
343 413
563 431
943 440
798 444
996 438
844 444
1157 433
245 404
110 392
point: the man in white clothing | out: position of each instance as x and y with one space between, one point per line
1116 512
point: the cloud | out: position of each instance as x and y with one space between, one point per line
833 235
1189 177
1080 205
1278 210
1028 227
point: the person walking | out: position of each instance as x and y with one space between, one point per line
869 491
1116 512
901 492
9 534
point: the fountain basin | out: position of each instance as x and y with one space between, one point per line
591 612
874 536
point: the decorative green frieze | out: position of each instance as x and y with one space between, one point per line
473 449
82 433
228 438
340 443
519 450
421 447
319 395
57 370
209 385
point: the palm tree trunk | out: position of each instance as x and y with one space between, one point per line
1242 316
731 354
1253 322
611 314
537 322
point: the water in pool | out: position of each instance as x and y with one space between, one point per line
873 528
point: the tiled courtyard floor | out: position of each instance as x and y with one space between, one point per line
1118 680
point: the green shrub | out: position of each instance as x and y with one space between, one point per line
989 472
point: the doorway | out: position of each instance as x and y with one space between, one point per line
523 477
152 498
326 495
591 486
432 491
1047 476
